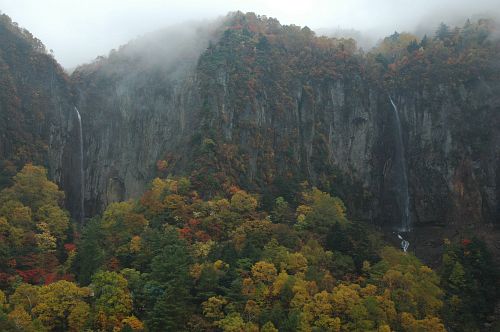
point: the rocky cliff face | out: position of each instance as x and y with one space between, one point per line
37 122
453 144
454 147
268 106
137 106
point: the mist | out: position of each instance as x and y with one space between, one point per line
79 31
174 50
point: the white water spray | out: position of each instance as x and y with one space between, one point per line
404 244
82 183
402 178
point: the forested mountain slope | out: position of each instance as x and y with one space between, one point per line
251 102
267 106
237 176
36 111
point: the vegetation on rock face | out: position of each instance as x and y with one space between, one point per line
30 82
269 119
259 66
172 260
199 253
267 106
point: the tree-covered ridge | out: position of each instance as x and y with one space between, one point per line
261 74
22 33
459 55
258 66
199 252
266 106
33 86
175 261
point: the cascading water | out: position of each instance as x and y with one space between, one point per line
404 243
401 174
80 142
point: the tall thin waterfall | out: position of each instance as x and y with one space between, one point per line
82 178
401 174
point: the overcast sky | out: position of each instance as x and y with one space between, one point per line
79 30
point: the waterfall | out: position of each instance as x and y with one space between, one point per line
82 178
402 177
404 243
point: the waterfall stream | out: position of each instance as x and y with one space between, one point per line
82 178
401 174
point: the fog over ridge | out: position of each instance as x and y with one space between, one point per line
79 31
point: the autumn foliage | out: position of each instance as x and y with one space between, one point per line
200 253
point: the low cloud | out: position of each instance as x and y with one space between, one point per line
78 31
